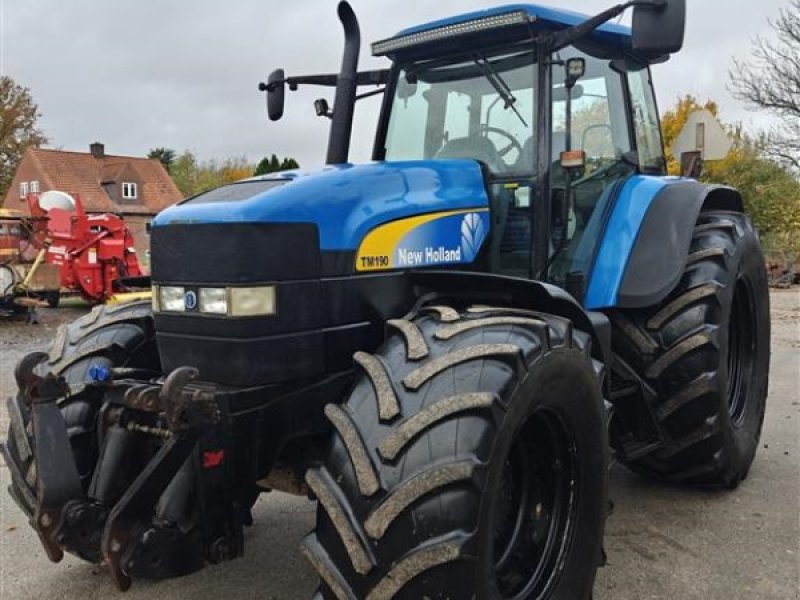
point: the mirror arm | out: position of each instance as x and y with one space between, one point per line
370 93
377 77
567 37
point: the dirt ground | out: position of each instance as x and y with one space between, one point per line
662 542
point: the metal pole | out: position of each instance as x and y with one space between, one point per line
344 103
540 207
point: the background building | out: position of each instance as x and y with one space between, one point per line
137 188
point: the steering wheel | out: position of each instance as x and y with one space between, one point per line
485 130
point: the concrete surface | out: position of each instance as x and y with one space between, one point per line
663 543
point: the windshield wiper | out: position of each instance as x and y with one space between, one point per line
500 86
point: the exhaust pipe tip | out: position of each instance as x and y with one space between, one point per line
344 103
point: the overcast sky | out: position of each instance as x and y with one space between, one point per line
137 74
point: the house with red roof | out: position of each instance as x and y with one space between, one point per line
137 188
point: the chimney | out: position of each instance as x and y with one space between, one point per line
97 149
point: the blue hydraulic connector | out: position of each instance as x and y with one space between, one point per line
99 374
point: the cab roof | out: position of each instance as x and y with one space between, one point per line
553 17
540 18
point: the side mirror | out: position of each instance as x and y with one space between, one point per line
276 91
659 27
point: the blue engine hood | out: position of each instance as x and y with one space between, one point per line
347 201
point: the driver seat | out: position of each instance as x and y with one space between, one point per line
500 199
527 157
472 147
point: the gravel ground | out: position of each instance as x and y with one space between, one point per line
662 542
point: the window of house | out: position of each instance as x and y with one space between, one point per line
129 191
34 187
23 189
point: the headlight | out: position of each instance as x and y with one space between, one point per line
213 300
226 301
252 301
171 299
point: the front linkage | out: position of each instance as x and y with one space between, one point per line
142 527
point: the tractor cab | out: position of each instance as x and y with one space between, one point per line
600 126
556 107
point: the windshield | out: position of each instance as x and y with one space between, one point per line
235 191
478 107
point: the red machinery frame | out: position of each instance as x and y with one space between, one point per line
92 251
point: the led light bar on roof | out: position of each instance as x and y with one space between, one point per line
402 42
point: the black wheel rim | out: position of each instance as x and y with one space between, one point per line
741 350
535 509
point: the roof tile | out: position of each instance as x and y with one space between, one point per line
82 174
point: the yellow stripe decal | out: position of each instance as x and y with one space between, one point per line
377 250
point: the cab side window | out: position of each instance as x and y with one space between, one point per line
600 128
646 124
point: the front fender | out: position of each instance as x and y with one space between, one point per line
501 290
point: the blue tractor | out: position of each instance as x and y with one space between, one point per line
444 347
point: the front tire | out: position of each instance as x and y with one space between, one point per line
470 458
106 337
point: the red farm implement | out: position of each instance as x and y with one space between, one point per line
92 252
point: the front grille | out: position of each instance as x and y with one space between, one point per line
231 253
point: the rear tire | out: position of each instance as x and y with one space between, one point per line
470 458
705 351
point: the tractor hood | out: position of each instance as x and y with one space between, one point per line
344 202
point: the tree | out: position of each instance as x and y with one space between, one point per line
193 177
771 193
673 122
234 169
18 131
770 80
589 128
166 156
273 164
184 173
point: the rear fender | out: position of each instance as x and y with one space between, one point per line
643 252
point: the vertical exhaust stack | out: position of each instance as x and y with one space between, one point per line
344 103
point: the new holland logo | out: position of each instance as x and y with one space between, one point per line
190 300
473 231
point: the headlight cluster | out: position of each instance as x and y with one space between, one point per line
226 301
213 301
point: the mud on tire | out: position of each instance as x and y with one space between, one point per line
471 447
108 336
705 352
